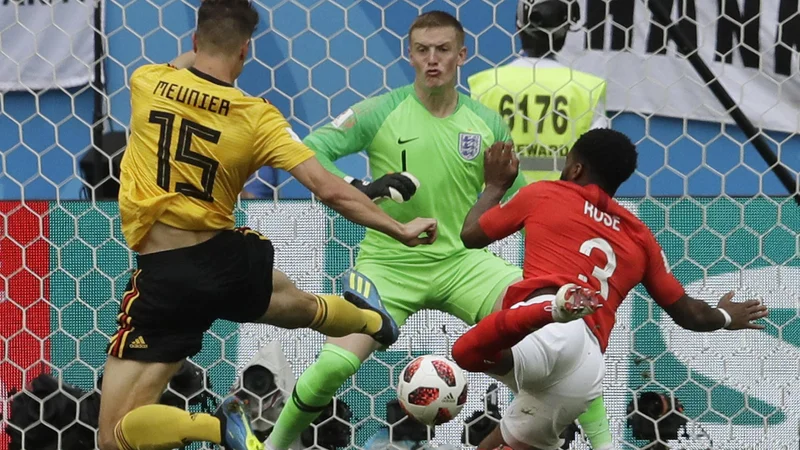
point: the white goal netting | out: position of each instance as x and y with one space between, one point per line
724 220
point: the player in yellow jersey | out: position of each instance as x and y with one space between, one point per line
194 141
548 106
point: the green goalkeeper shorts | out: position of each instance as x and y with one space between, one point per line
466 285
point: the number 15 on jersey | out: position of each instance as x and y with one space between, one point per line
184 154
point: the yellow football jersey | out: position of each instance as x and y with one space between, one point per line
194 142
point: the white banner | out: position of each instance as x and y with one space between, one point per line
750 45
46 44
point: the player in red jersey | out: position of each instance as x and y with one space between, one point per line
583 253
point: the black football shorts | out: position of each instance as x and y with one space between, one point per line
174 296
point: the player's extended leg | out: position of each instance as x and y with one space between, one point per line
340 358
595 425
128 385
476 287
171 300
480 348
359 311
131 419
566 357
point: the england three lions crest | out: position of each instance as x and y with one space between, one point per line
469 145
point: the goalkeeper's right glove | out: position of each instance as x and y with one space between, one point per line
399 187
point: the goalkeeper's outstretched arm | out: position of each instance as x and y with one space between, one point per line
400 186
349 133
356 207
352 132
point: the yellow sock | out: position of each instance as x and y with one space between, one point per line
336 317
161 427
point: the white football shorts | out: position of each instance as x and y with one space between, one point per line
558 372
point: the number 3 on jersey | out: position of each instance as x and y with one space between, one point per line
188 129
605 273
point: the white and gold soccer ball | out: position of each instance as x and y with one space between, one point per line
432 389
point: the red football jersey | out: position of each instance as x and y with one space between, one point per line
578 234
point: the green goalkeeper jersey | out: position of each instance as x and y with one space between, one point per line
444 154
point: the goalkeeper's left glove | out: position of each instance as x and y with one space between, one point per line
399 187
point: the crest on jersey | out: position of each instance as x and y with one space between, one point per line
469 145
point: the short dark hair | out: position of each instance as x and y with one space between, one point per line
608 155
438 19
223 25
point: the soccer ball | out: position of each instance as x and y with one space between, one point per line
432 389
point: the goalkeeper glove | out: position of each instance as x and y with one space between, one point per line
399 187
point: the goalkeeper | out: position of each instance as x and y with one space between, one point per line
444 135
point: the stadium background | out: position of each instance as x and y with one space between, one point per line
65 264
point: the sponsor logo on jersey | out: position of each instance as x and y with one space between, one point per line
469 145
402 141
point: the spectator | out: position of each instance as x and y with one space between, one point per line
547 105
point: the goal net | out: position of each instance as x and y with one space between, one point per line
722 217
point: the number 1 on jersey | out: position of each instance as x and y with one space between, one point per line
605 273
188 129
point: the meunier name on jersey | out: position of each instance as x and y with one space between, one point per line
192 97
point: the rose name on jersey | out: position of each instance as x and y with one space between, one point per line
601 216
